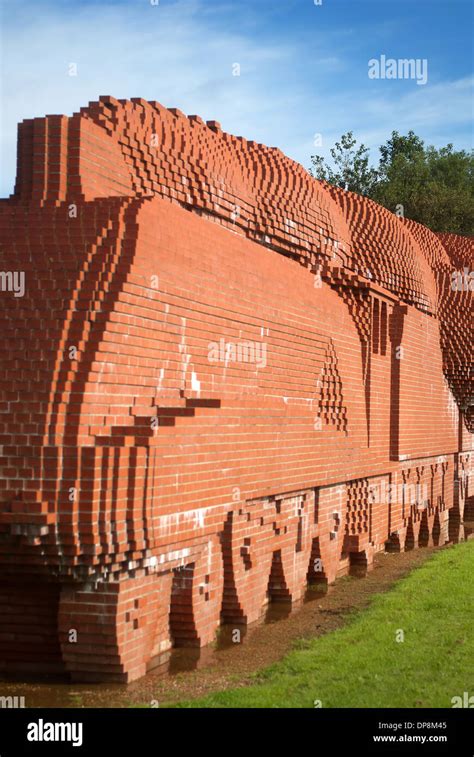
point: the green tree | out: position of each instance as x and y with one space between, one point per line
433 186
399 147
352 170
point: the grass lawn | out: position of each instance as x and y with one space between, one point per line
363 664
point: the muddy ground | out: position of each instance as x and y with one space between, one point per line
186 674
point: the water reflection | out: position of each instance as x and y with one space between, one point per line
57 691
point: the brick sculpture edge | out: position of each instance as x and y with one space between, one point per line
223 382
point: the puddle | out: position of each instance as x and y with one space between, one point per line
237 653
57 691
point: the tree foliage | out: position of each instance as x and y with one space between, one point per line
352 170
432 186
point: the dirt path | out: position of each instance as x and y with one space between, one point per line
190 673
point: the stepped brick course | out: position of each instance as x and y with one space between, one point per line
225 382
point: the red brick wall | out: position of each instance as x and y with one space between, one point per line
154 484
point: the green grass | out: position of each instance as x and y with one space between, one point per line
362 664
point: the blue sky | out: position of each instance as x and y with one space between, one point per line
303 67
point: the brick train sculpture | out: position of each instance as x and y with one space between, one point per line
222 382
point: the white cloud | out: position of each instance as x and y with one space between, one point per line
182 56
435 112
172 54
